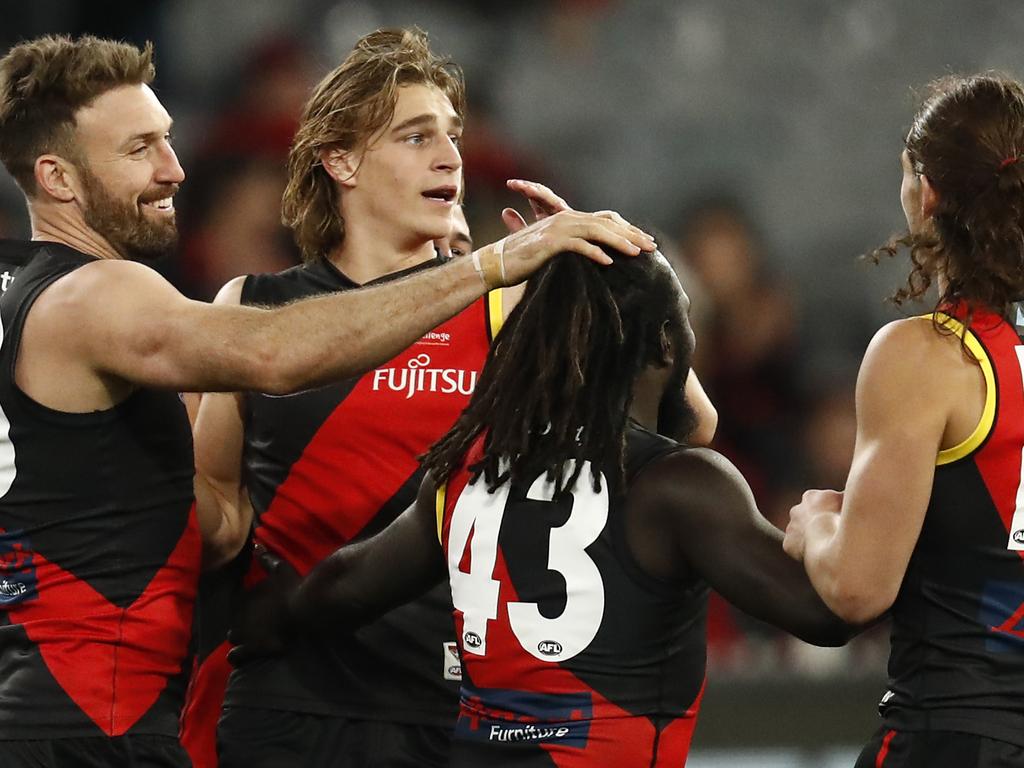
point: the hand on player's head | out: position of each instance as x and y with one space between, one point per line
543 203
587 234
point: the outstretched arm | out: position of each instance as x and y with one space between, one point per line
856 545
351 587
121 321
362 581
695 515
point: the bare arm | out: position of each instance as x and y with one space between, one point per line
692 513
351 587
123 321
856 545
222 502
707 414
361 581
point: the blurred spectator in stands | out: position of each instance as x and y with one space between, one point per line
490 157
265 104
748 358
231 223
231 205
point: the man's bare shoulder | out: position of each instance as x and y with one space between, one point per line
695 478
101 281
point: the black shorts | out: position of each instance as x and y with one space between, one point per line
263 738
140 751
938 749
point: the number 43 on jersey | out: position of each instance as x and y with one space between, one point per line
476 593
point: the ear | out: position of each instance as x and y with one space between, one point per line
929 198
56 177
668 352
341 165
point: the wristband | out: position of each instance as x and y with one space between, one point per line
475 256
491 267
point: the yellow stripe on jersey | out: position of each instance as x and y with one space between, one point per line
439 498
495 313
988 413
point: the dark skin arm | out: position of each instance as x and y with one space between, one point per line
351 587
692 514
360 582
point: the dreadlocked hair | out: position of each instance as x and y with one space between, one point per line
968 140
558 382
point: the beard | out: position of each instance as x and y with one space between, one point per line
124 225
676 417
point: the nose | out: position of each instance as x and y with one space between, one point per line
169 170
449 158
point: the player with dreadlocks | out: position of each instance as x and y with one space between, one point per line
579 542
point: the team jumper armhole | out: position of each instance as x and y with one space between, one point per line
439 501
981 431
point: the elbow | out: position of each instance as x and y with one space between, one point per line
274 372
857 604
829 631
222 547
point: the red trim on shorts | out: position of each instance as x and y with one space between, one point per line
883 751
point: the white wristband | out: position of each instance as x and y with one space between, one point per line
475 256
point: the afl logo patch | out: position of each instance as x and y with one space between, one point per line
18 582
549 647
472 640
1018 536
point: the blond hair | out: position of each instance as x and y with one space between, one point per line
347 107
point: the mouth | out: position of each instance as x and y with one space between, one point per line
444 195
163 205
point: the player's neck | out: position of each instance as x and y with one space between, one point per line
62 225
645 416
365 256
648 390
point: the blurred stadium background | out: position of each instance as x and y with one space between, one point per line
760 140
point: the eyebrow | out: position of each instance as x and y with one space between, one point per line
423 120
147 135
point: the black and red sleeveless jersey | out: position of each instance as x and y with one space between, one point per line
99 547
572 654
957 660
334 464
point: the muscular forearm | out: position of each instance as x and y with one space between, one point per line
360 582
820 563
317 341
780 593
325 602
224 517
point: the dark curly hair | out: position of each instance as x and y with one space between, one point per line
967 139
558 382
